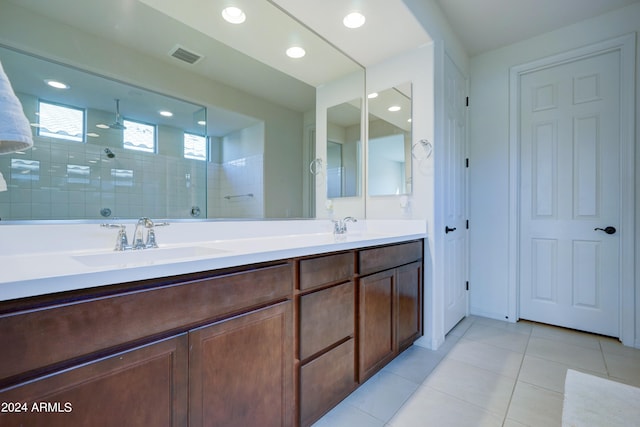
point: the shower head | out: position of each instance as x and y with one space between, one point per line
109 153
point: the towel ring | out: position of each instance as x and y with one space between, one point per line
315 167
427 149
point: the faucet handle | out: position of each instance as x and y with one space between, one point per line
122 242
151 234
151 239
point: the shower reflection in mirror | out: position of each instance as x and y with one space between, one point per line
389 143
343 150
100 143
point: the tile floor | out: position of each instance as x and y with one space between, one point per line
487 373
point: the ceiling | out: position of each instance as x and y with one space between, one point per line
389 30
483 25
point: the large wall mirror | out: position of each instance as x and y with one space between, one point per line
344 145
234 146
389 144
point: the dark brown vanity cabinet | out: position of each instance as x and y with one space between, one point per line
390 303
356 311
326 333
213 350
273 344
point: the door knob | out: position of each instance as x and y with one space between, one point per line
608 230
447 229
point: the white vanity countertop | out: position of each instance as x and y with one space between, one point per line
39 259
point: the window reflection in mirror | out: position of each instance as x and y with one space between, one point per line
389 144
343 150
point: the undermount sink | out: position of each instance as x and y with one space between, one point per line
146 256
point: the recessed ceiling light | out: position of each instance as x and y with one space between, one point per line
202 122
234 15
394 108
102 126
372 95
296 52
166 113
93 134
354 20
56 84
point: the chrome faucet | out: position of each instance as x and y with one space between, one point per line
340 226
150 242
122 243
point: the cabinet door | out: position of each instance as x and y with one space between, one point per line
240 370
146 386
409 304
376 329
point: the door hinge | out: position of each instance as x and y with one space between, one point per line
467 285
466 162
467 101
467 224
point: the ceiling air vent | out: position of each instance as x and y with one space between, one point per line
184 55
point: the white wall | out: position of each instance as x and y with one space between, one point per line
489 152
429 201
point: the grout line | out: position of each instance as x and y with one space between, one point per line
515 383
604 359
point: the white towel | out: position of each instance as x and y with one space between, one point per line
15 132
591 401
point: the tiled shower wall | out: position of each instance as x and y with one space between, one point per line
236 188
70 180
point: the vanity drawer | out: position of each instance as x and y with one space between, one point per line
66 330
326 381
326 269
385 257
326 317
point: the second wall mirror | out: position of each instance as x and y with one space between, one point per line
389 144
343 149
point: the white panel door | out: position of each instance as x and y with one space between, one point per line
570 188
455 240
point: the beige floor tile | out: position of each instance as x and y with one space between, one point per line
500 337
478 386
624 369
429 407
546 373
382 395
535 406
543 373
567 336
498 360
522 327
615 347
512 423
569 354
461 327
348 416
414 364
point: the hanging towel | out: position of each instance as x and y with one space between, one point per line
15 132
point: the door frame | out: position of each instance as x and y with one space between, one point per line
626 45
